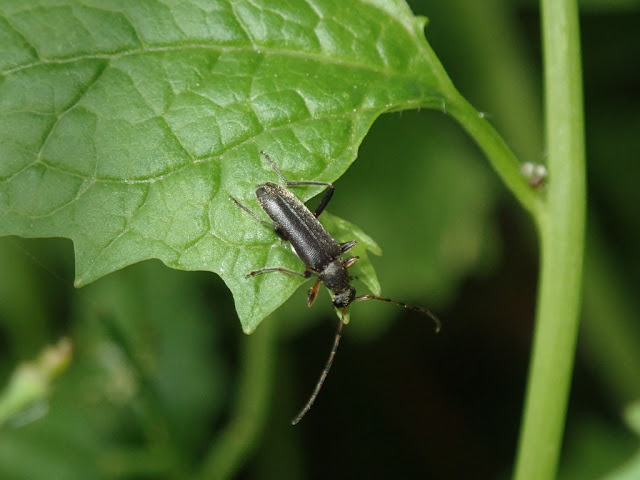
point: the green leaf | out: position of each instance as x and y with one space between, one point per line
343 231
126 126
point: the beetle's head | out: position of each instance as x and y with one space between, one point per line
344 297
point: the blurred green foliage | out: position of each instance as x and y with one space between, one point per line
164 385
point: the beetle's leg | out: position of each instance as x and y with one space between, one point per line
281 233
263 222
346 246
325 199
313 293
350 261
306 274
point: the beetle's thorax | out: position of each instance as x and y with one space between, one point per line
336 278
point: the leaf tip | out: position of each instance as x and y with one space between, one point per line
421 22
248 329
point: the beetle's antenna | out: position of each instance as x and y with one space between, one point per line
325 371
409 307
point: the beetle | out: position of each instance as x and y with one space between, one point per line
318 250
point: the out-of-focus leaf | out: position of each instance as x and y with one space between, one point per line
30 384
631 468
601 450
145 383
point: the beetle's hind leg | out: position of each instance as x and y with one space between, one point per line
326 197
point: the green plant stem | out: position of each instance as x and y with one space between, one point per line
498 152
560 216
562 227
235 442
502 159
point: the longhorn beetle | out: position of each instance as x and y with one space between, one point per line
321 254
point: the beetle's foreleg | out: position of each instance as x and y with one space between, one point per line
313 293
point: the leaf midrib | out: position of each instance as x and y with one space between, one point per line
317 57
